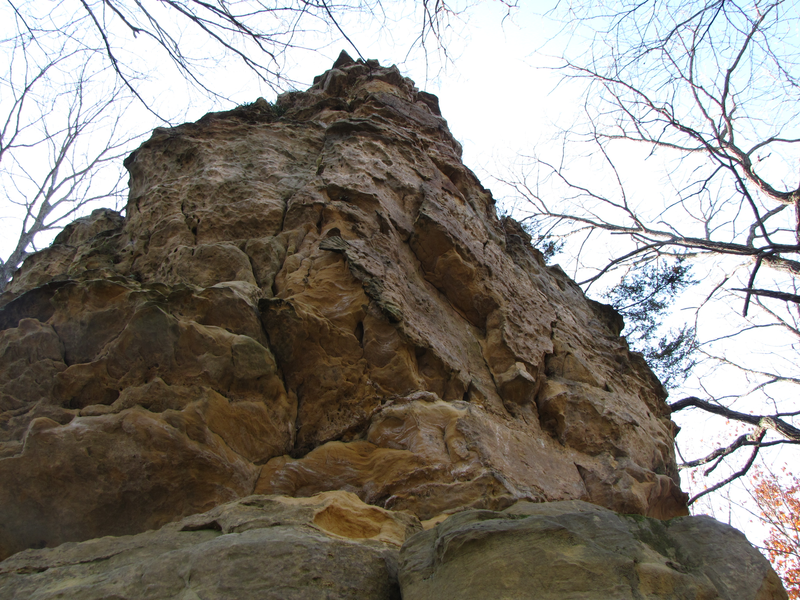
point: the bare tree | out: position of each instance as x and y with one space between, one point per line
196 36
61 142
708 93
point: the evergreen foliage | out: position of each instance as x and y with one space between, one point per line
644 297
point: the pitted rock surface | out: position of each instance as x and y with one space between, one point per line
256 548
332 546
309 297
558 550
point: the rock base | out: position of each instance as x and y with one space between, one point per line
333 546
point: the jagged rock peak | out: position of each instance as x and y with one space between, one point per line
362 88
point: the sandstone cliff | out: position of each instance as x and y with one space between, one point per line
308 297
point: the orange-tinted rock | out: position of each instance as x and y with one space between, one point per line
331 546
321 300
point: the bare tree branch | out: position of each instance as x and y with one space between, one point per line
734 476
771 422
711 91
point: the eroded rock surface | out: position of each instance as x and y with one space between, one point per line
558 550
333 546
309 297
264 548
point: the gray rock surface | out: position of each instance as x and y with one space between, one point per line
328 547
335 547
575 550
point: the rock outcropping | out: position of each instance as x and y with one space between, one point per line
308 297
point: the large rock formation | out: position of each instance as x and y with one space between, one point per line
306 297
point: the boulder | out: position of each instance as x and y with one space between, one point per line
573 549
333 546
307 297
259 547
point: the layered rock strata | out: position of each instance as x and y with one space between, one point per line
558 550
259 548
312 296
333 546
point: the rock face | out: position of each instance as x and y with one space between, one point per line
308 297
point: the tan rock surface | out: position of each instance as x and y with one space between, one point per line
312 297
559 550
